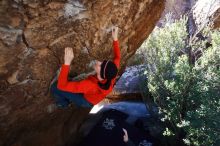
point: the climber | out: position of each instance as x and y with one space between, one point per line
94 88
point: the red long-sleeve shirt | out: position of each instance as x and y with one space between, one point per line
89 86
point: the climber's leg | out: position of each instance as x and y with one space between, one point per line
64 98
78 99
60 99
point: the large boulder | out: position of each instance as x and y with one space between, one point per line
33 35
131 85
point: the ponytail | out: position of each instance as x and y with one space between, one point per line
106 85
108 71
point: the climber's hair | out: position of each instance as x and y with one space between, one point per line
108 71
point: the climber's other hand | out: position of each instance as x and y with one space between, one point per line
68 57
115 33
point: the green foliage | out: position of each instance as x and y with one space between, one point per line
188 93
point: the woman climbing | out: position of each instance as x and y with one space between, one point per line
94 88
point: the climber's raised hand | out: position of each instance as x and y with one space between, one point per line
68 57
115 33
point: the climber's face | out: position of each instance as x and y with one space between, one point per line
97 66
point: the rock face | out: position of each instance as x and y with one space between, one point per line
204 10
33 35
175 9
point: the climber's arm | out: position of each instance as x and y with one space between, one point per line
117 55
70 86
65 85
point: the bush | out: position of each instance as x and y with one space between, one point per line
184 80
